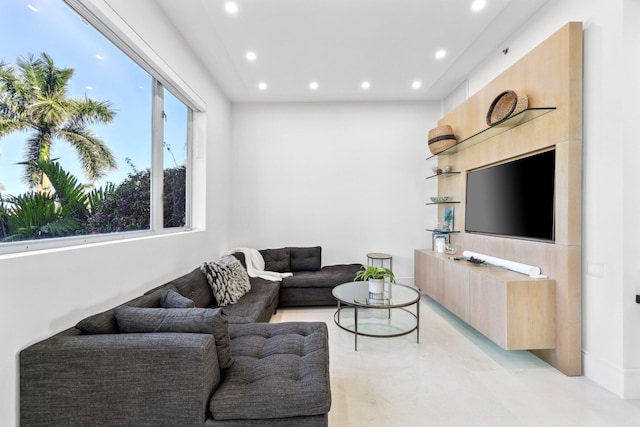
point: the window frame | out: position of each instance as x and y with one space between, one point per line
108 23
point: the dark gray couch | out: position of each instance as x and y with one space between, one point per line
311 283
97 374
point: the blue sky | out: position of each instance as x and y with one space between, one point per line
102 72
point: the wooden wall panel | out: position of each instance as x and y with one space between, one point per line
551 76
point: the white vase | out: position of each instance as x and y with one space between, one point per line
376 286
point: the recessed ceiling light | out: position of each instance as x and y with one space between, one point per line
441 54
262 86
251 56
365 85
417 84
231 7
313 85
478 5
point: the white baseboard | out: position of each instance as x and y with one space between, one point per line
603 373
632 384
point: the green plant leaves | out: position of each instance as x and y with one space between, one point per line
371 272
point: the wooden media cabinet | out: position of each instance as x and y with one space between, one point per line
511 309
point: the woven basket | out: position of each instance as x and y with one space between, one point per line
441 138
507 104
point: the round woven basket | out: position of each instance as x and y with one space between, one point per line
441 138
507 104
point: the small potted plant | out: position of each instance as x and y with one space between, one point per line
375 276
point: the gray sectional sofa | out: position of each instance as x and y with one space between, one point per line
172 357
311 283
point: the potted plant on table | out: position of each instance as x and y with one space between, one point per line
375 276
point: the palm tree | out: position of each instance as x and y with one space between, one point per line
37 214
33 97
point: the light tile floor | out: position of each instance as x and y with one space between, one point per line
454 377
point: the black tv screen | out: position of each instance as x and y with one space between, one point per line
513 199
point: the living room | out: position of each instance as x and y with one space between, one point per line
280 174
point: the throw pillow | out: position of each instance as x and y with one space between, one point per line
105 322
172 299
211 321
306 259
229 281
276 260
101 323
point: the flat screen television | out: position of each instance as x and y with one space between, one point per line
513 199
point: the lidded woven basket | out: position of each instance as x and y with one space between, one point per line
441 138
507 104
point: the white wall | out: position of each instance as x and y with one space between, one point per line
631 198
347 176
45 292
611 275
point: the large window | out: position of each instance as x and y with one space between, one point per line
91 144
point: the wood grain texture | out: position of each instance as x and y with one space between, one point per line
551 76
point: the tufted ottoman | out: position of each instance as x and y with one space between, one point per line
280 376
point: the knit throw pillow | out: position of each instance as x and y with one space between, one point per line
228 279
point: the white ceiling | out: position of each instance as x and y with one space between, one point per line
341 43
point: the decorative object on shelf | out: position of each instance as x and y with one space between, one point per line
441 244
436 170
439 235
448 218
450 249
446 168
507 104
375 276
441 138
439 199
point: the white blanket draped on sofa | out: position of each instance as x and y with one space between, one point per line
255 265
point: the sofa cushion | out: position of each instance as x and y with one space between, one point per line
228 279
306 259
173 299
190 320
327 277
281 370
257 305
276 260
105 322
194 286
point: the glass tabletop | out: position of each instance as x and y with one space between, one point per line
357 293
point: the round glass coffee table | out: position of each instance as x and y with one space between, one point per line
377 315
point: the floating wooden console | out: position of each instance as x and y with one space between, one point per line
511 309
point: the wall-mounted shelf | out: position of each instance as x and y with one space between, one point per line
443 203
441 231
443 175
490 132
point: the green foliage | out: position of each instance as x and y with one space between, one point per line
4 220
36 215
174 197
127 207
371 272
33 97
69 209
